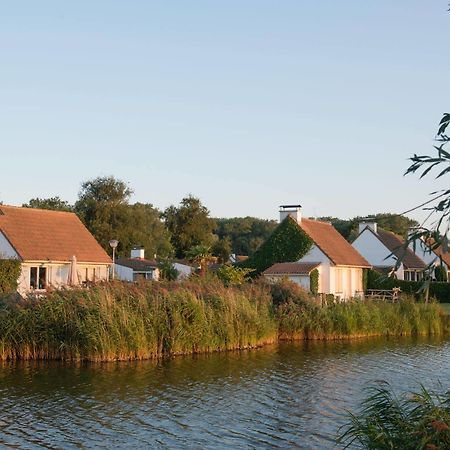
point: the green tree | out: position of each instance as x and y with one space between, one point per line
200 255
168 270
103 206
222 249
52 203
189 225
246 234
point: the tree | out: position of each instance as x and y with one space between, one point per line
200 255
52 203
189 225
103 206
246 234
222 249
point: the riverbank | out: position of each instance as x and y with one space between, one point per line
124 322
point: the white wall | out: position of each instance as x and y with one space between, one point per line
369 246
183 270
6 249
302 280
316 255
123 273
58 274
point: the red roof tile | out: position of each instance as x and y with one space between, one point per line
332 243
291 268
42 235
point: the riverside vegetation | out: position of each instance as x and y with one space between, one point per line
119 321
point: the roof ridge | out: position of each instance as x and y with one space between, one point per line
26 208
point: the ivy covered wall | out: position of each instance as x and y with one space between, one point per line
287 243
9 275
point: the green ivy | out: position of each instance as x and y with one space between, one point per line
287 243
9 275
314 281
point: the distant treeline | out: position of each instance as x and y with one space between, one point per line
104 206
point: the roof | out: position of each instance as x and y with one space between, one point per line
43 235
298 268
332 243
138 264
439 251
394 243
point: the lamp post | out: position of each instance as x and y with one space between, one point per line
113 244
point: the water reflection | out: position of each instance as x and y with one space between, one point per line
287 395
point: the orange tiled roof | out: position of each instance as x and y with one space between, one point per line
297 268
332 243
42 235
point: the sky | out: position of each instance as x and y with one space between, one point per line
245 104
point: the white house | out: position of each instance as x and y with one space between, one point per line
429 253
383 249
136 267
339 265
184 268
55 249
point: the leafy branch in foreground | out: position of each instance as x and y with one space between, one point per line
417 421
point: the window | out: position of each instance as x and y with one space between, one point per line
38 277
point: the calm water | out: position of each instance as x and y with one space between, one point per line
284 396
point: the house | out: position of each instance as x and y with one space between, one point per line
136 267
184 268
426 250
55 249
383 249
339 265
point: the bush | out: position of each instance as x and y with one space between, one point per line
314 282
418 421
233 276
438 290
9 275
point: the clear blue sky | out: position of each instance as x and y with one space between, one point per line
246 104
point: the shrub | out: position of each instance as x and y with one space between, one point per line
418 421
314 282
284 291
232 275
9 275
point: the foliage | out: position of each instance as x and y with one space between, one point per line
397 223
53 203
409 422
233 276
438 290
287 243
9 275
246 234
359 318
286 291
189 225
440 273
365 279
314 281
121 321
222 249
167 270
103 207
200 255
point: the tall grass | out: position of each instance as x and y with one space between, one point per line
119 321
386 422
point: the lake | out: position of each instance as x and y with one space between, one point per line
289 395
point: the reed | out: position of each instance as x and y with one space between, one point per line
417 421
122 321
119 321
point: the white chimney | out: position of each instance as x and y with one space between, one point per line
138 252
368 223
295 211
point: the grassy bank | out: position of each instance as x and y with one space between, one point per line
123 321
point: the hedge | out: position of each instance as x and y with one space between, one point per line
9 275
438 289
287 243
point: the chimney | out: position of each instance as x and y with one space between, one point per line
138 252
369 222
295 211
